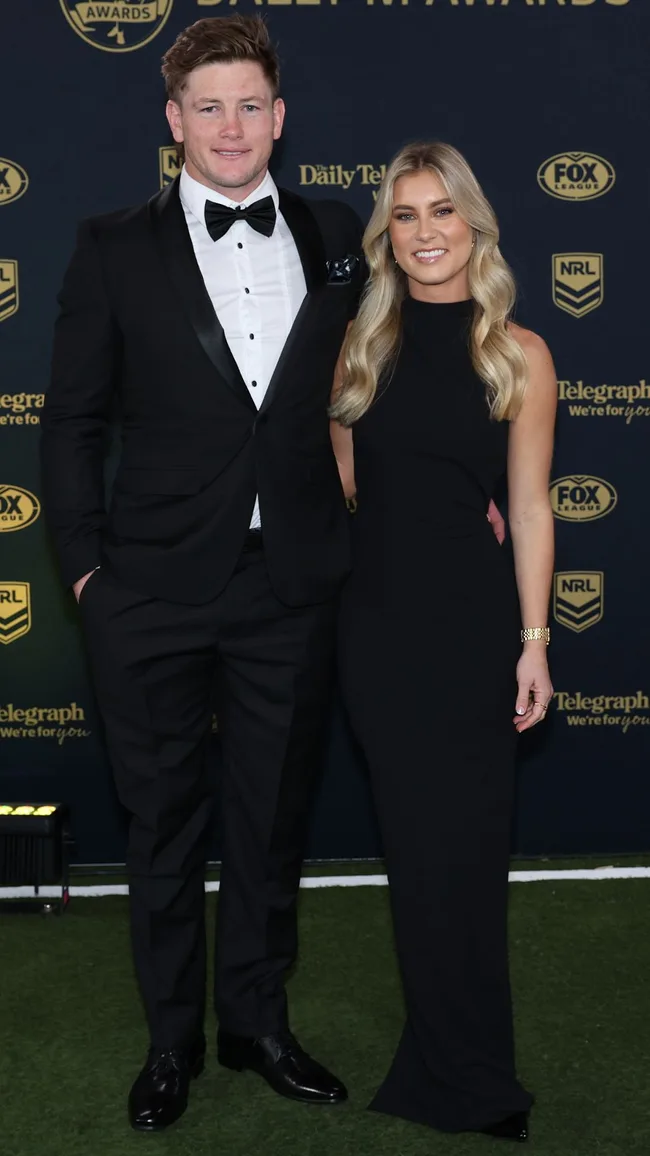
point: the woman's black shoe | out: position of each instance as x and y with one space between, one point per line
512 1128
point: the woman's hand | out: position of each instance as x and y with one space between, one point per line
535 687
497 523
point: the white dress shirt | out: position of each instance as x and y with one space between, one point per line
256 283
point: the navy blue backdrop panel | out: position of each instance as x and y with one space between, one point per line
549 101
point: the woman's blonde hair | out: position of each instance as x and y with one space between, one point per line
373 340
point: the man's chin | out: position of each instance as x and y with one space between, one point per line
230 178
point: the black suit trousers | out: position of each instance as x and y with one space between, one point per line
155 665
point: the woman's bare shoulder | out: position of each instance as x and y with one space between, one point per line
534 346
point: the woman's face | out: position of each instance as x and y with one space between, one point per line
431 243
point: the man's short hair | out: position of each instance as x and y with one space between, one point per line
220 40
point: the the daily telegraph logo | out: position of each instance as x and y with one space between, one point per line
582 498
8 288
21 406
623 711
43 722
15 611
339 177
605 400
117 27
578 282
576 176
19 508
169 165
13 181
578 598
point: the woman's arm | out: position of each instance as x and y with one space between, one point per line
342 443
530 450
344 454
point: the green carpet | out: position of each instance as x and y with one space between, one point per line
72 1035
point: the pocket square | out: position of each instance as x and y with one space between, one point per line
340 271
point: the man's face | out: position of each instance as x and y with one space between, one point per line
227 120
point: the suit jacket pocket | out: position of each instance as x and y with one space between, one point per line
153 480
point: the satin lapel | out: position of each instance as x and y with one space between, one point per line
173 239
311 250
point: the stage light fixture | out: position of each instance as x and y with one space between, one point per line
34 852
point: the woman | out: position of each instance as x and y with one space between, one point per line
443 392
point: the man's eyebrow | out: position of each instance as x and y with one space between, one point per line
218 99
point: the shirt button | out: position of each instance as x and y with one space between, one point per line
253 383
246 290
252 336
239 245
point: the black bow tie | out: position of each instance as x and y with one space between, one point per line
260 216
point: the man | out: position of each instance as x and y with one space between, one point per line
215 313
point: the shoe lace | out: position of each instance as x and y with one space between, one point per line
163 1062
287 1044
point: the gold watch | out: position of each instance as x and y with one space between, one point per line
536 634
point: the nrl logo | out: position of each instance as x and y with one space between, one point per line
578 598
116 27
15 611
8 289
578 282
169 164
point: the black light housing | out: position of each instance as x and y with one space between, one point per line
34 852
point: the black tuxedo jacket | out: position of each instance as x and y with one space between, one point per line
136 322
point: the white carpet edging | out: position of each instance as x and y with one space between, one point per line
594 874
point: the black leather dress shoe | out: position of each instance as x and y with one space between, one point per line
284 1065
512 1128
159 1096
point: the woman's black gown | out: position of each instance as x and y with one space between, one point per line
429 642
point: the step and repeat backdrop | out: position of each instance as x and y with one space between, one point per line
548 99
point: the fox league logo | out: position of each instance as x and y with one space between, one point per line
576 176
578 598
582 498
116 26
13 181
578 282
19 508
15 611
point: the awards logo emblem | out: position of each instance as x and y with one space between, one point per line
117 27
